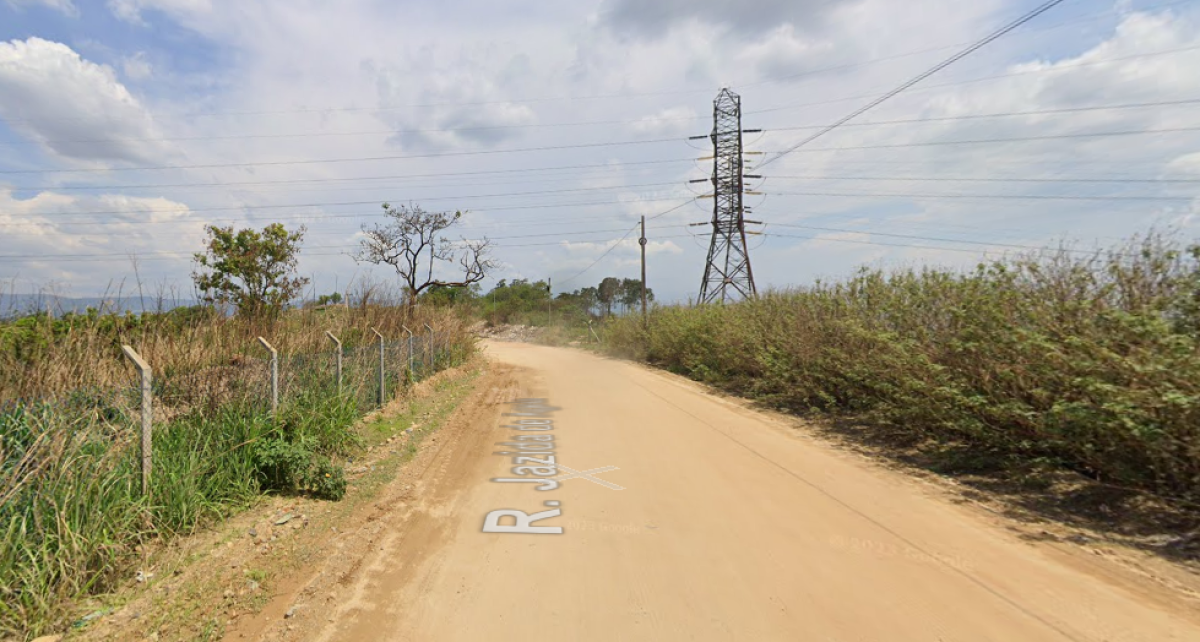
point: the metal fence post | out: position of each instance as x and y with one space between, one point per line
431 355
337 342
147 415
274 375
381 348
411 374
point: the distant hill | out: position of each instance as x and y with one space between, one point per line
18 304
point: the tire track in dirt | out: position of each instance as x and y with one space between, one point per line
408 512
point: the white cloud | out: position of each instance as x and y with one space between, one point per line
443 102
626 245
136 67
784 53
65 7
50 225
654 19
74 108
669 122
556 77
131 10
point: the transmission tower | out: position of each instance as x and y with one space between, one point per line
727 275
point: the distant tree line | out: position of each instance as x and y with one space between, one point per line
529 302
254 273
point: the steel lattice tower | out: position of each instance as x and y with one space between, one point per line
727 275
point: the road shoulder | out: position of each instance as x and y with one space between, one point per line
255 572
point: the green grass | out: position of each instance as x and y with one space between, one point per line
1090 363
73 517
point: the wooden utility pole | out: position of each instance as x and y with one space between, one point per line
642 242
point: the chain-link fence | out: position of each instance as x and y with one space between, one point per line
36 434
166 449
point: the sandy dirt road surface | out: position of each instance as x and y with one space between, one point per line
713 523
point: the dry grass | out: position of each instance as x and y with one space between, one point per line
43 357
71 513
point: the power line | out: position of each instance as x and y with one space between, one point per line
314 217
346 160
926 238
1034 112
681 91
1023 162
1014 179
823 130
622 239
1180 102
947 249
296 181
593 264
615 243
786 151
374 132
907 245
289 182
364 214
395 131
1011 139
339 203
854 65
174 255
969 81
1066 197
922 76
587 123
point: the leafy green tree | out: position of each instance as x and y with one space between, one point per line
518 300
255 271
445 295
608 293
589 297
631 293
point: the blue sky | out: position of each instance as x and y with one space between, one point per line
127 125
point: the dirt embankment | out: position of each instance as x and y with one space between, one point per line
522 333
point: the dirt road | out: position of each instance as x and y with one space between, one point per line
706 521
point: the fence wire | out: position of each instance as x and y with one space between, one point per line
112 416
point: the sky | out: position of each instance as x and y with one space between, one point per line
126 126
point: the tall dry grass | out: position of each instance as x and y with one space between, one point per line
71 512
44 356
1090 362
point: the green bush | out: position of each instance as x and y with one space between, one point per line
1087 361
294 468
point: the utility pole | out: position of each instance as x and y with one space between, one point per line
549 300
727 274
642 242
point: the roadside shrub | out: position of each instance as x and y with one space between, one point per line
1089 361
289 467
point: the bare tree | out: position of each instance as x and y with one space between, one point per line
413 244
